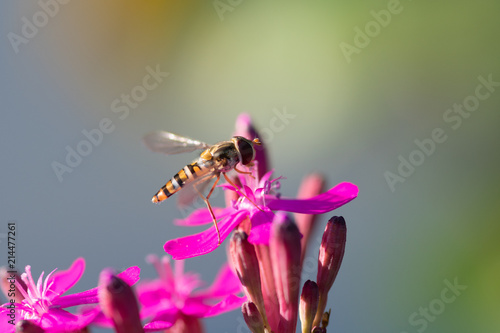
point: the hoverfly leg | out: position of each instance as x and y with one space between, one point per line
210 206
240 192
213 187
243 172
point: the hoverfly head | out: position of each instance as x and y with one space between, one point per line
245 149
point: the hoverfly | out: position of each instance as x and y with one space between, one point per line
213 161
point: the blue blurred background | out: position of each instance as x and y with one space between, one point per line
360 82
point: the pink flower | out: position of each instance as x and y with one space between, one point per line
172 301
257 206
268 249
260 213
44 305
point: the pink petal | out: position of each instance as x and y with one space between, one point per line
159 309
157 325
245 128
266 178
227 186
228 304
312 185
260 217
225 283
20 312
203 242
5 326
95 310
55 320
194 307
85 297
202 216
130 276
261 226
153 292
165 311
249 193
61 320
64 280
325 202
260 234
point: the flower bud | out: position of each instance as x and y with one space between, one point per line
118 302
245 128
325 319
8 283
311 186
26 326
308 305
252 317
331 252
247 268
286 254
318 329
268 284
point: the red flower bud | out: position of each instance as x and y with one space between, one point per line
246 264
252 317
285 252
26 326
331 252
308 305
118 302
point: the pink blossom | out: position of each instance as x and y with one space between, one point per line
172 300
268 249
256 201
264 202
44 303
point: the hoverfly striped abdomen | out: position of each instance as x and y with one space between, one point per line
186 175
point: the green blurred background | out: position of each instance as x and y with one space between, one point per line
351 117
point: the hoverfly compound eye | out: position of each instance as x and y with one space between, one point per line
245 148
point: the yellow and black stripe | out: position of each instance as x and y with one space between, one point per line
185 176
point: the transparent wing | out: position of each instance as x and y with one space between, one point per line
188 195
170 143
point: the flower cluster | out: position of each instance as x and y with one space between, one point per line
263 276
271 275
255 202
43 303
168 302
268 247
172 299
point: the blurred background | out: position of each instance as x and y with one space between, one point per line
358 83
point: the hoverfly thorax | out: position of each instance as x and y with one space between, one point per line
245 148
